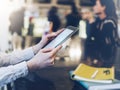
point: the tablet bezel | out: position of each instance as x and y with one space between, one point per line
74 29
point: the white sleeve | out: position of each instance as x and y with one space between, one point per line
11 73
16 57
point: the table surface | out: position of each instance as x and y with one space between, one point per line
53 78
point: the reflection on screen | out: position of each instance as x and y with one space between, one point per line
61 37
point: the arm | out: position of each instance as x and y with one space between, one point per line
11 73
25 55
16 57
110 29
44 58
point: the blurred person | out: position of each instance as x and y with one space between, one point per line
54 19
106 36
82 30
73 18
19 63
29 37
89 43
16 28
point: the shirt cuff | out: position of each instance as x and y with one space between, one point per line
20 70
13 72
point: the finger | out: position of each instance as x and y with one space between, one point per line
52 35
59 31
54 51
53 58
52 61
47 50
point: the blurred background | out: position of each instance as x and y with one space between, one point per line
24 22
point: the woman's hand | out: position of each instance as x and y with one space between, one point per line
44 58
45 40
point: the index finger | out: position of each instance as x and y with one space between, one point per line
59 31
52 35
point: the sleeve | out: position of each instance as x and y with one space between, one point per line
11 73
16 57
50 18
109 31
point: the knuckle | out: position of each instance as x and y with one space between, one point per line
51 55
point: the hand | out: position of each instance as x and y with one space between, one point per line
45 40
49 37
44 58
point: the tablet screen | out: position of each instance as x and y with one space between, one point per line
60 38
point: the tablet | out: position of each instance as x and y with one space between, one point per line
62 37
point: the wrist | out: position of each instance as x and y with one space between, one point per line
36 48
30 66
